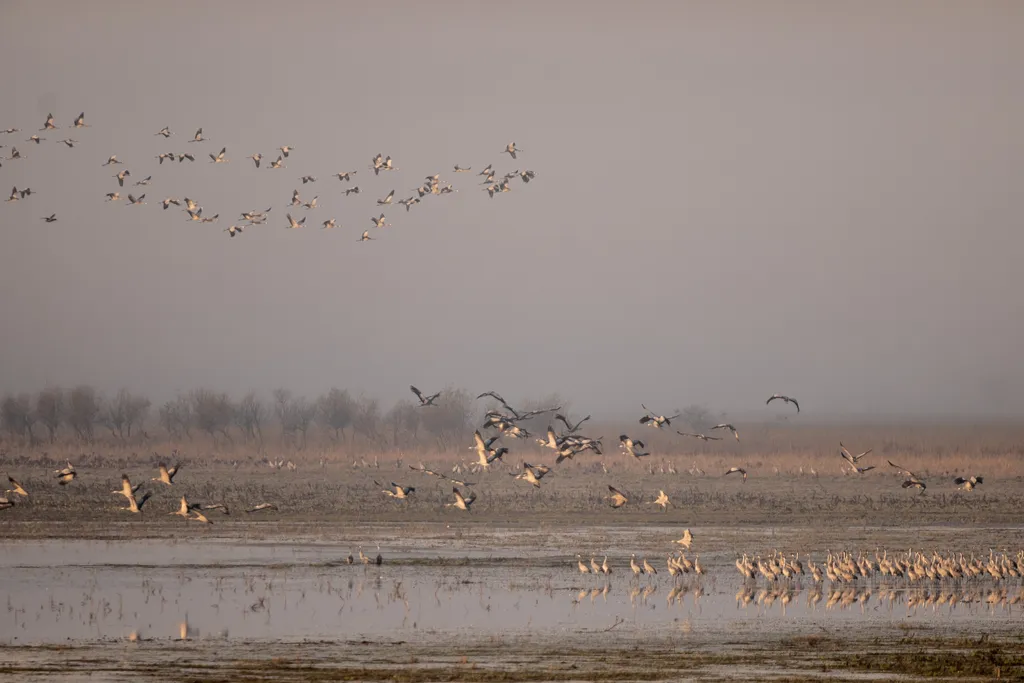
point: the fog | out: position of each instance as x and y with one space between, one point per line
731 199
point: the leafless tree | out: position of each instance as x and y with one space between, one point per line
50 409
213 412
18 417
337 410
295 414
123 412
366 417
403 417
83 411
176 417
250 415
449 420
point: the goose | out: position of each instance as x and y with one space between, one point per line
967 484
311 204
170 200
165 132
631 446
398 491
132 201
653 420
36 139
726 425
255 158
386 200
66 475
327 225
787 399
366 237
161 157
308 179
461 502
425 400
736 469
686 540
167 474
511 149
345 175
286 150
532 473
49 125
570 428
662 500
261 507
277 163
69 142
80 121
352 190
459 169
121 176
219 158
198 137
379 222
186 155
702 437
18 488
292 223
911 480
232 230
617 498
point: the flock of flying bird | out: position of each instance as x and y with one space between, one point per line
431 186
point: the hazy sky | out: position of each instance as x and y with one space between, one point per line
732 199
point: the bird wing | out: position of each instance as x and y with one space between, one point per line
417 392
902 469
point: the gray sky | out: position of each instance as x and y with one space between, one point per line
732 199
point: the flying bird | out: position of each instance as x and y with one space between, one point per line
617 498
167 474
127 490
686 540
121 176
511 149
662 500
308 179
186 155
49 125
219 158
736 469
286 150
80 121
276 164
730 428
346 175
911 478
702 437
379 222
352 190
198 137
386 200
632 446
328 224
69 142
459 169
853 459
132 201
425 400
653 420
461 501
532 473
787 399
967 484
292 223
261 507
569 427
366 237
18 488
52 218
256 158
165 131
397 490
233 230
66 474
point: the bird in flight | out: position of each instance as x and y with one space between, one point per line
461 502
459 169
617 498
397 490
161 157
49 125
352 190
167 474
653 420
328 224
379 222
308 179
386 200
911 480
278 163
346 175
570 428
366 237
425 400
52 218
702 437
165 131
256 158
967 484
854 459
736 469
233 230
69 142
686 540
198 137
662 500
121 176
18 488
787 399
632 446
261 507
292 223
219 158
133 201
66 474
286 150
532 473
511 149
730 428
80 121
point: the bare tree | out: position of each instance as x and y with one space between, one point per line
18 417
366 417
213 412
83 410
250 415
123 412
50 409
337 411
449 420
295 414
404 416
176 417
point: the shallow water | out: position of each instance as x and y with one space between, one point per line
58 591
